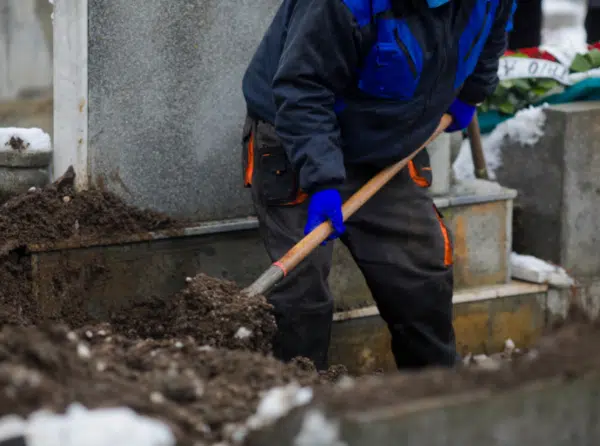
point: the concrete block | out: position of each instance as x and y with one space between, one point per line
557 214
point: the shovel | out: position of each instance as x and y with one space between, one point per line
279 269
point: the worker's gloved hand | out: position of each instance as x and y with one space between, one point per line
462 115
325 205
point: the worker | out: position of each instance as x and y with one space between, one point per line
336 91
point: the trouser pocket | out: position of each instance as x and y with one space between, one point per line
267 168
419 169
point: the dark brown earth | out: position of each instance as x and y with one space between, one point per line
197 391
213 311
57 213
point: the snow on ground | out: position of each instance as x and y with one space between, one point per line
99 427
33 139
526 128
535 270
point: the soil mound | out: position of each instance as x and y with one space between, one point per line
199 391
58 213
213 311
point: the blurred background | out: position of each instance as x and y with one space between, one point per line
26 49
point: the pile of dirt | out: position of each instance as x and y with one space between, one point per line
52 214
58 213
201 392
213 311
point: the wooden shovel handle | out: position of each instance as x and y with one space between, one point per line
308 244
477 153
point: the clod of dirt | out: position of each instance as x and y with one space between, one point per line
214 312
17 143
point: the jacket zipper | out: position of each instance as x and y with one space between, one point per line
411 63
488 6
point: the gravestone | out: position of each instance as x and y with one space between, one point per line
558 180
148 99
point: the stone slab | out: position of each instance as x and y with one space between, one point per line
26 158
14 181
165 103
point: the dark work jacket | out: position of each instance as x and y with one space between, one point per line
365 81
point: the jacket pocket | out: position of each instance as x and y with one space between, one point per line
272 176
393 67
419 169
473 39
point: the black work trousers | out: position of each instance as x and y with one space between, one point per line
398 239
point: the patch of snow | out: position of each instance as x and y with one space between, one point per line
243 333
12 426
532 269
278 402
318 431
34 139
525 128
99 427
569 38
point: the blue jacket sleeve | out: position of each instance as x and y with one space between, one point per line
484 80
319 59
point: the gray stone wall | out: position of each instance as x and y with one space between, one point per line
165 103
25 47
558 180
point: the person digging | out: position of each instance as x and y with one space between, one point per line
336 91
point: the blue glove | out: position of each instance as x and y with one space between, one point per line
325 205
462 115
